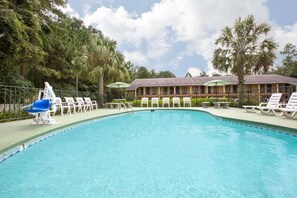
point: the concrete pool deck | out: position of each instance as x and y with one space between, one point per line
15 133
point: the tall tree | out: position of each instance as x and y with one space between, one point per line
143 72
203 74
106 63
23 26
76 38
289 67
244 50
215 74
131 69
188 74
165 74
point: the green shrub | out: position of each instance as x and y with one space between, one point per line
196 102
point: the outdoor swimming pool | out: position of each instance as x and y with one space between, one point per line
161 153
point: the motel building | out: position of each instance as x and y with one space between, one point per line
260 86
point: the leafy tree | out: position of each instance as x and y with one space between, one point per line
131 69
203 74
289 67
76 38
105 62
165 74
23 28
241 50
143 72
188 74
215 74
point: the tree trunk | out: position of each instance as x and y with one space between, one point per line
101 90
23 70
76 84
240 77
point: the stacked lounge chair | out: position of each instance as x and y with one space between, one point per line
265 107
290 109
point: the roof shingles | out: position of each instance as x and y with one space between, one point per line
187 81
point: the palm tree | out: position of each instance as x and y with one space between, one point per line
76 37
241 50
106 63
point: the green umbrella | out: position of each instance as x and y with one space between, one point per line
216 83
118 85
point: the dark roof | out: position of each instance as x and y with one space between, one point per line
186 81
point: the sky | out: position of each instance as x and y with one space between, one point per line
179 35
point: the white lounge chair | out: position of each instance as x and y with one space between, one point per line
187 100
91 103
175 100
61 105
144 101
155 101
165 101
80 101
273 102
270 110
71 104
290 110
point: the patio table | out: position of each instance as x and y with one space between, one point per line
223 105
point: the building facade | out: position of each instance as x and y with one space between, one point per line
255 85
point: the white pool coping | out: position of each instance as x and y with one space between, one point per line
14 134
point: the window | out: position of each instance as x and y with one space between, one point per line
202 91
234 88
184 90
227 88
209 90
268 90
141 91
177 90
195 90
216 89
154 90
249 88
262 88
148 91
171 90
165 90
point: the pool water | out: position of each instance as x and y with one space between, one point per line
162 153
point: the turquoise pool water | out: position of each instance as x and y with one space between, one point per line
156 154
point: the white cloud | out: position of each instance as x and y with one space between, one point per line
69 11
135 57
284 35
194 71
197 23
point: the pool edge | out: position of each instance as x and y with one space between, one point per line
16 145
